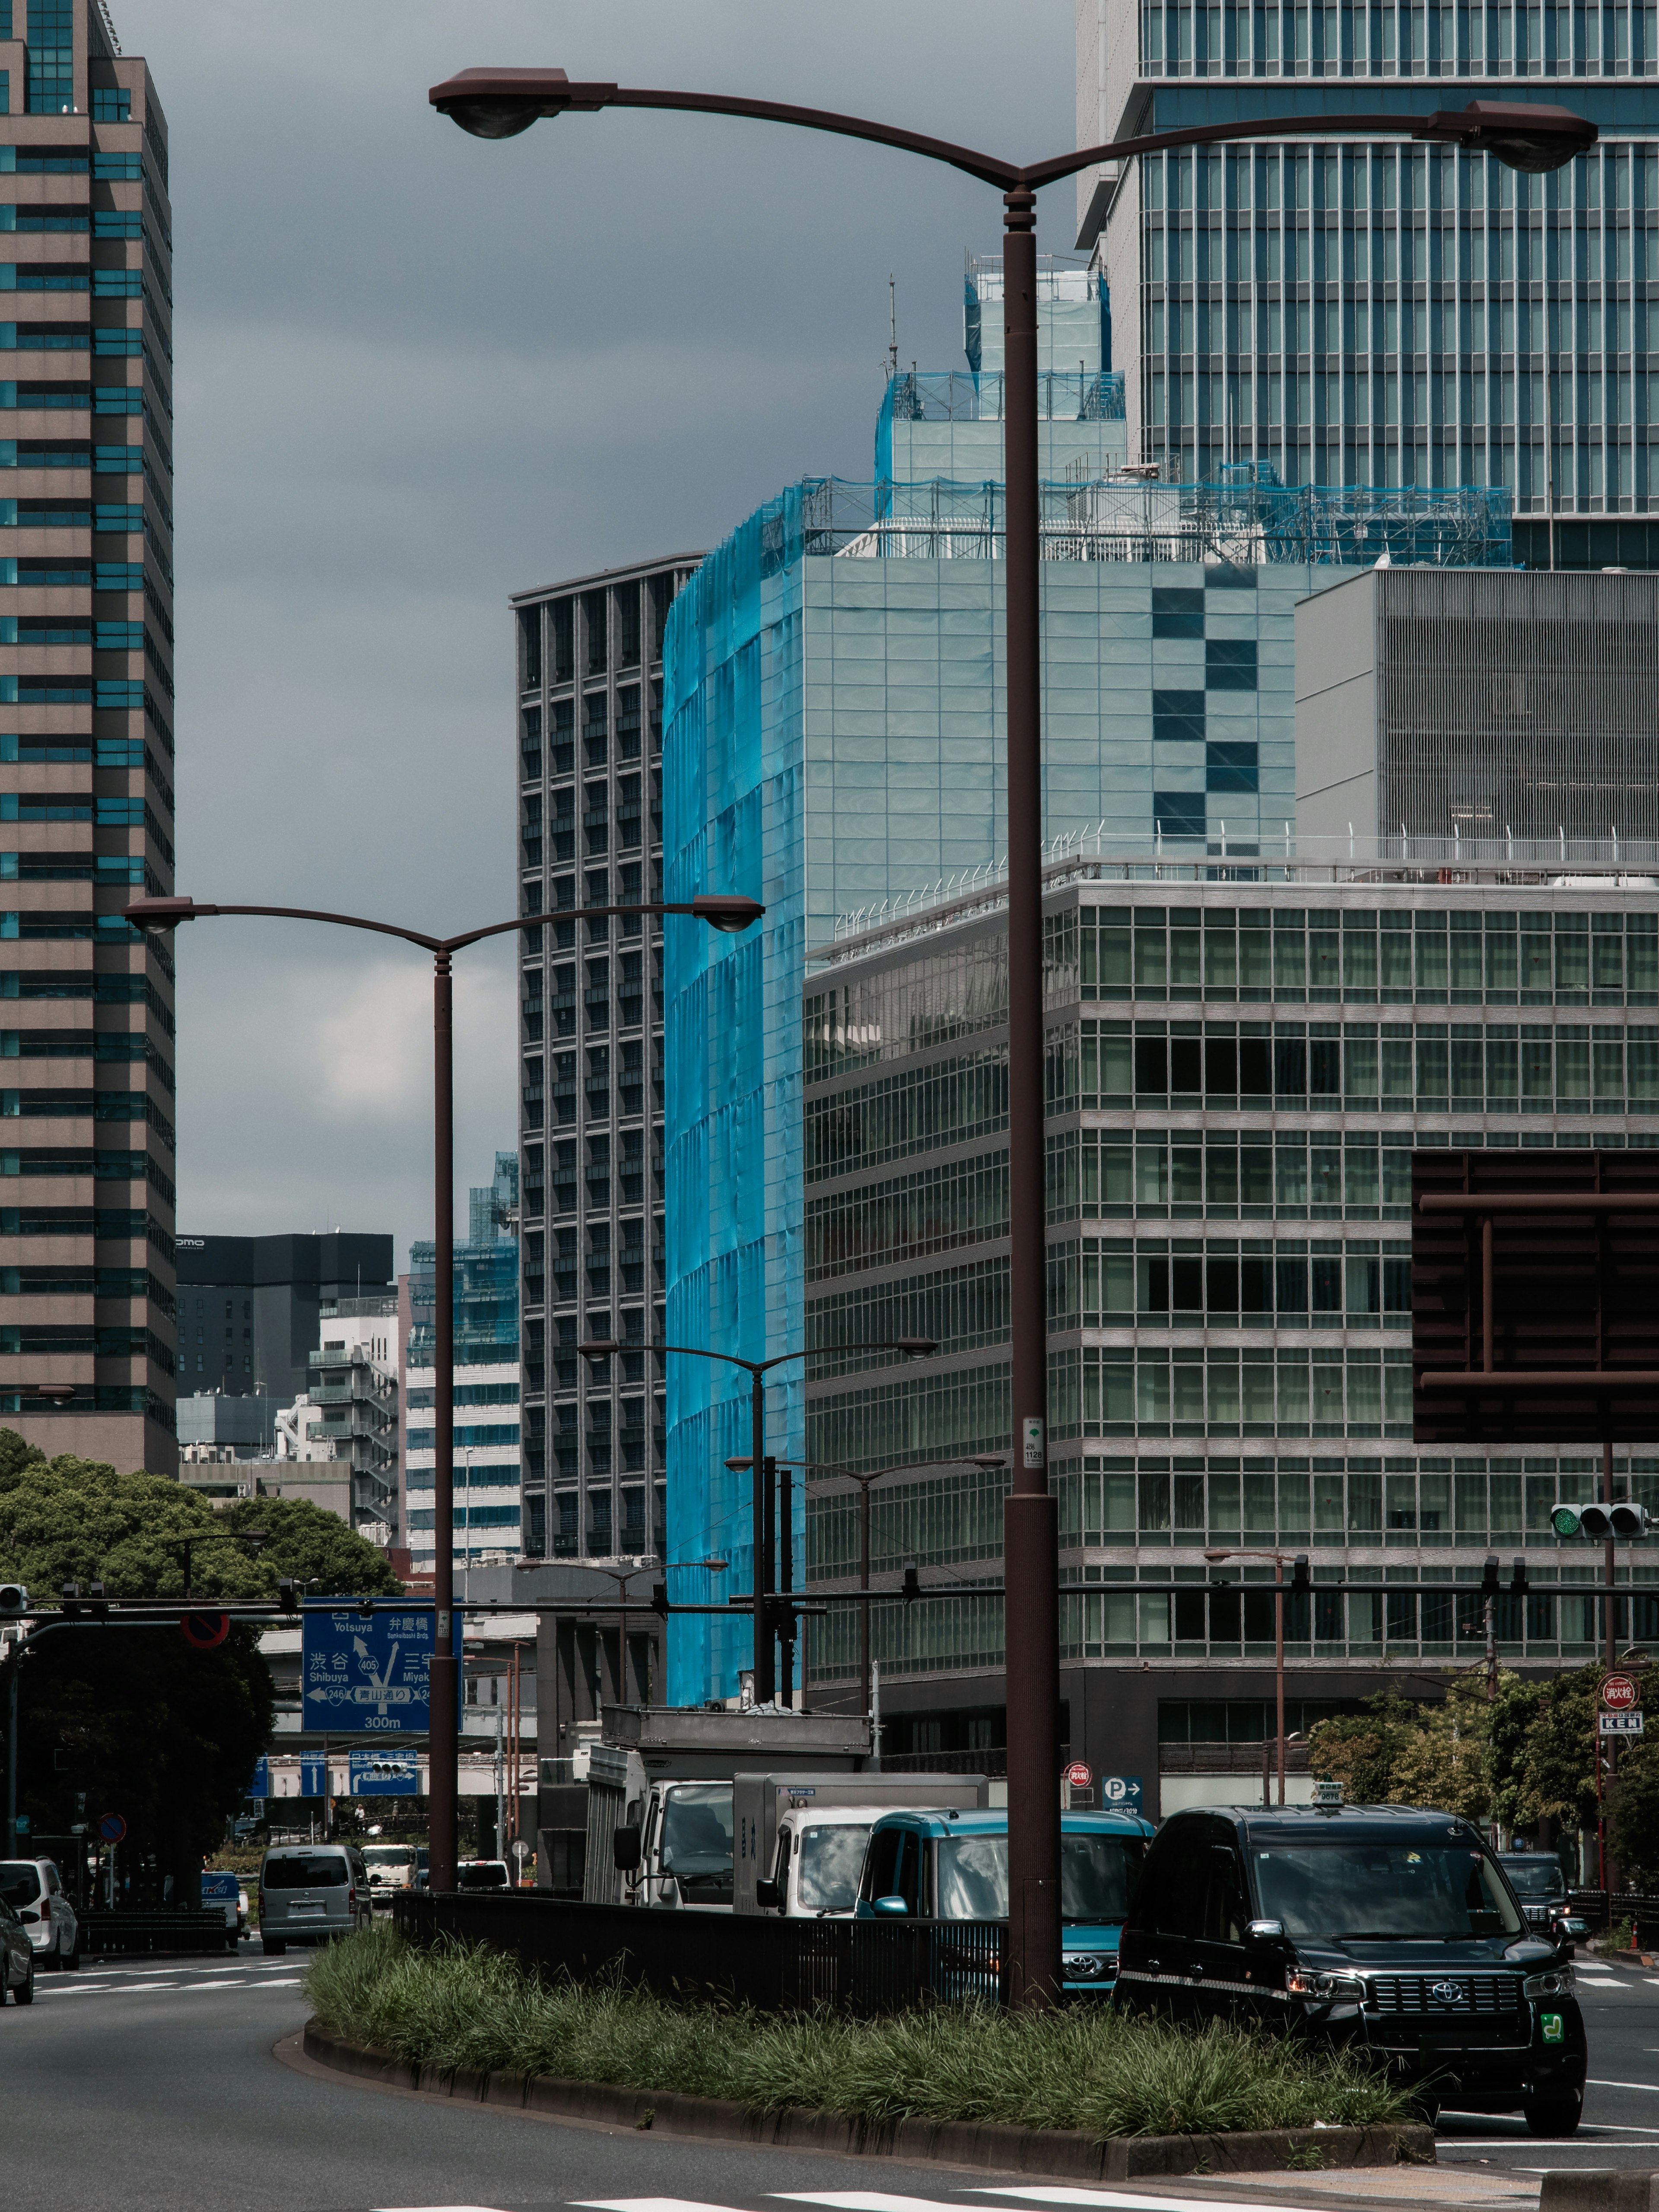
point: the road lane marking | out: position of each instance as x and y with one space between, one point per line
1121 2200
1594 2084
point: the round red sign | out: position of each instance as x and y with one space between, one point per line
1619 1694
1080 1775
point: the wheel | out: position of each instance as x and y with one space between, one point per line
72 1957
1556 2114
230 1945
272 1946
26 1995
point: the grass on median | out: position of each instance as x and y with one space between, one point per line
1083 2067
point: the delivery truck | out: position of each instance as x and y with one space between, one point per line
799 1839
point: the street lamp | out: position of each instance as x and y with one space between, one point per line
729 913
253 1538
864 1481
914 1347
1298 1583
497 103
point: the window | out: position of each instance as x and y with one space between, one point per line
107 106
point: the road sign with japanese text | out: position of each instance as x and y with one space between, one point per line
367 1673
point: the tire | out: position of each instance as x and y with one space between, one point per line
1556 2114
26 1995
71 1961
273 1946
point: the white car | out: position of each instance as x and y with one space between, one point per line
34 1892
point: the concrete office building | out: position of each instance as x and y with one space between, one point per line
833 746
1240 1071
251 1309
1453 716
588 672
86 737
1345 312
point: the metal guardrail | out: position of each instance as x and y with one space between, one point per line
111 1934
863 1966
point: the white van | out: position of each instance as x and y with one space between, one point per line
311 1893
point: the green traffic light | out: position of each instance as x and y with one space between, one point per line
1566 1521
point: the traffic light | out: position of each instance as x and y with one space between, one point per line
659 1600
287 1595
1519 1579
70 1596
14 1598
1301 1581
910 1589
1623 1521
1489 1576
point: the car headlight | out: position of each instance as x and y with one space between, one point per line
1558 1983
1088 1966
1327 1988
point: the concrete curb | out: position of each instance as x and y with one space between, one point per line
1600 2188
1067 2155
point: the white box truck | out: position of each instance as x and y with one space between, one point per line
659 1795
798 1839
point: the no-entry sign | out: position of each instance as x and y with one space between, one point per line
1079 1774
1619 1694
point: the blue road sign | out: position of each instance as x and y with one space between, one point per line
260 1786
313 1777
367 1674
382 1771
1120 1793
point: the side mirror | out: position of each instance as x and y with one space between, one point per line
1264 1931
625 1849
891 1908
769 1896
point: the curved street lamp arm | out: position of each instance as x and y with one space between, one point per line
702 1352
985 167
312 914
1274 126
539 921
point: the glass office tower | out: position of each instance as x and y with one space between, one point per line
1348 311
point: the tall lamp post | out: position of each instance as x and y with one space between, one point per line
987 1460
500 103
915 1348
727 913
1299 1585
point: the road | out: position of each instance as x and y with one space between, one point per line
152 2085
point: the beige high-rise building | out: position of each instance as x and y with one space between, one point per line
86 1298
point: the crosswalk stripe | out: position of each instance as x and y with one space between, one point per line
864 2200
651 2204
1121 2200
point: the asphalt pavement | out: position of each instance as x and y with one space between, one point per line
155 2084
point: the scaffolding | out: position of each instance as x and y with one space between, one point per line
1248 521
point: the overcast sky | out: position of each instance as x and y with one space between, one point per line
414 372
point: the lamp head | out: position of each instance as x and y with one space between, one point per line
1214 1557
500 103
739 1465
254 1538
716 1566
915 1348
155 916
986 1459
1520 133
599 1347
48 1394
726 913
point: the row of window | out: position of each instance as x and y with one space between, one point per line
55 217
1181 38
1342 329
600 823
1357 1067
627 1156
606 629
86 1105
596 748
1615 178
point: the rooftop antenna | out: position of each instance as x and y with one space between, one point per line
892 329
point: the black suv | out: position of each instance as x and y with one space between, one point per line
1381 1924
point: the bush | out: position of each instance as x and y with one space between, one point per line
1081 2067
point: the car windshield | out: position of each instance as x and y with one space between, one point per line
389 1855
1384 1890
831 1860
19 1882
696 1840
1098 1876
1539 1877
322 1871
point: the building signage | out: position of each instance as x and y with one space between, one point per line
367 1674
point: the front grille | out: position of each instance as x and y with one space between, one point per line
1474 1993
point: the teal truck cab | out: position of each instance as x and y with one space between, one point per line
954 1865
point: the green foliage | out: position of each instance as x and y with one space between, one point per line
1362 1750
310 1544
1082 2067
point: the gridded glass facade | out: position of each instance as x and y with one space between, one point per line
1229 1247
589 676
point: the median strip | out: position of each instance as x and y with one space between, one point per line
1078 2093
